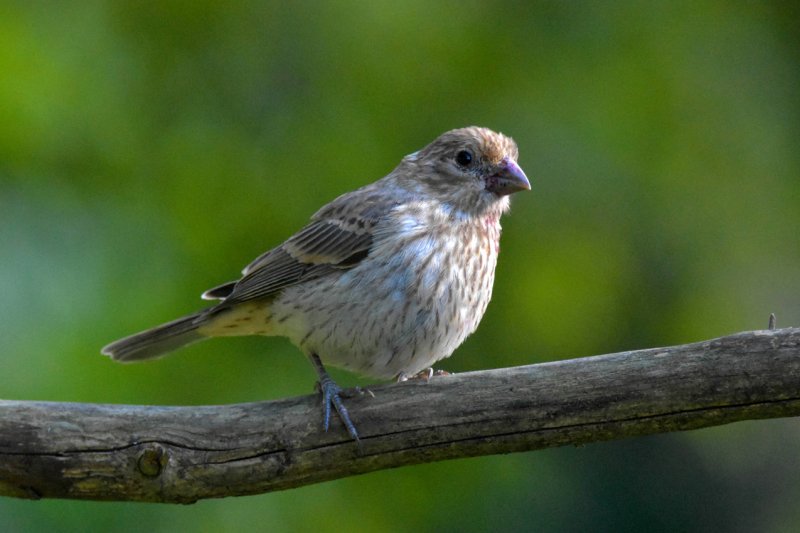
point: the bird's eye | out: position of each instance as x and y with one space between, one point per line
464 158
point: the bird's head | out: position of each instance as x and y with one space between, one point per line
472 169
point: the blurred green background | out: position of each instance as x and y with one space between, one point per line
148 150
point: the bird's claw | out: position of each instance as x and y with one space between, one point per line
423 375
366 391
332 395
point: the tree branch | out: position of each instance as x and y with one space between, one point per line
182 454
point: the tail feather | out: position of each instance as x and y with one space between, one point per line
157 341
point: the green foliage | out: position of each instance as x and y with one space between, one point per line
148 150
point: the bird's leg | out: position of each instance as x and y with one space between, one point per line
331 394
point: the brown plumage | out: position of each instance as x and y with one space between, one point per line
385 280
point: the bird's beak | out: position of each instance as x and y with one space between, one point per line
508 179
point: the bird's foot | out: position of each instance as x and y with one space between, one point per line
332 395
358 391
424 375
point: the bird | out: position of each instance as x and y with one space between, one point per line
383 281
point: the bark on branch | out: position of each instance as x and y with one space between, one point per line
183 454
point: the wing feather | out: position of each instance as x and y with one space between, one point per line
322 247
339 237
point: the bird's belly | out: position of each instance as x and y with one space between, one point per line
386 318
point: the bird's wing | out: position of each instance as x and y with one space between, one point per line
318 249
337 238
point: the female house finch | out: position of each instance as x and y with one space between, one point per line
385 280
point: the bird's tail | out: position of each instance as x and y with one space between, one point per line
159 340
